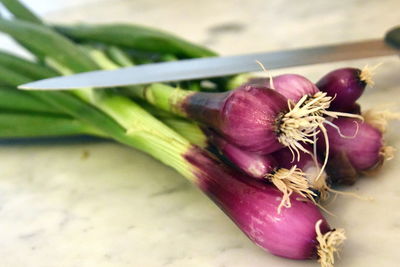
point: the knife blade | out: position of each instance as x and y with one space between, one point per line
191 69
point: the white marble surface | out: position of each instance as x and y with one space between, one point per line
43 7
101 204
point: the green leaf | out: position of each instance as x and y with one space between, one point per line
12 78
136 37
14 124
85 112
119 56
20 11
24 67
16 100
48 42
20 98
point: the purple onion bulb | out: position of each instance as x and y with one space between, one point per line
357 142
247 117
292 86
287 180
346 85
252 205
255 165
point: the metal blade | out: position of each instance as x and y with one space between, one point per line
214 67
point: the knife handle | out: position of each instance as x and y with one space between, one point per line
392 37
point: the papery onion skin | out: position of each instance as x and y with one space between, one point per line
361 145
345 85
255 165
247 117
252 205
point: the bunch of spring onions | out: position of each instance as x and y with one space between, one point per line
258 148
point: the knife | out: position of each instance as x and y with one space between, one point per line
191 69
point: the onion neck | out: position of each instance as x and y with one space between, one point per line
205 107
202 107
163 96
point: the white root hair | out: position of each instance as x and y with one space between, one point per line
299 125
289 182
271 80
380 118
387 152
328 244
305 120
367 74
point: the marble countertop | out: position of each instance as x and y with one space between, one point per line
91 203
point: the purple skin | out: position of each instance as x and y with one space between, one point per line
330 175
363 151
247 117
292 86
253 205
345 84
255 165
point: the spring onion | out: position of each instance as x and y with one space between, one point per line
292 86
356 143
345 85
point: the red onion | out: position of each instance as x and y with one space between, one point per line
345 85
356 142
252 205
254 165
253 118
292 86
288 181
